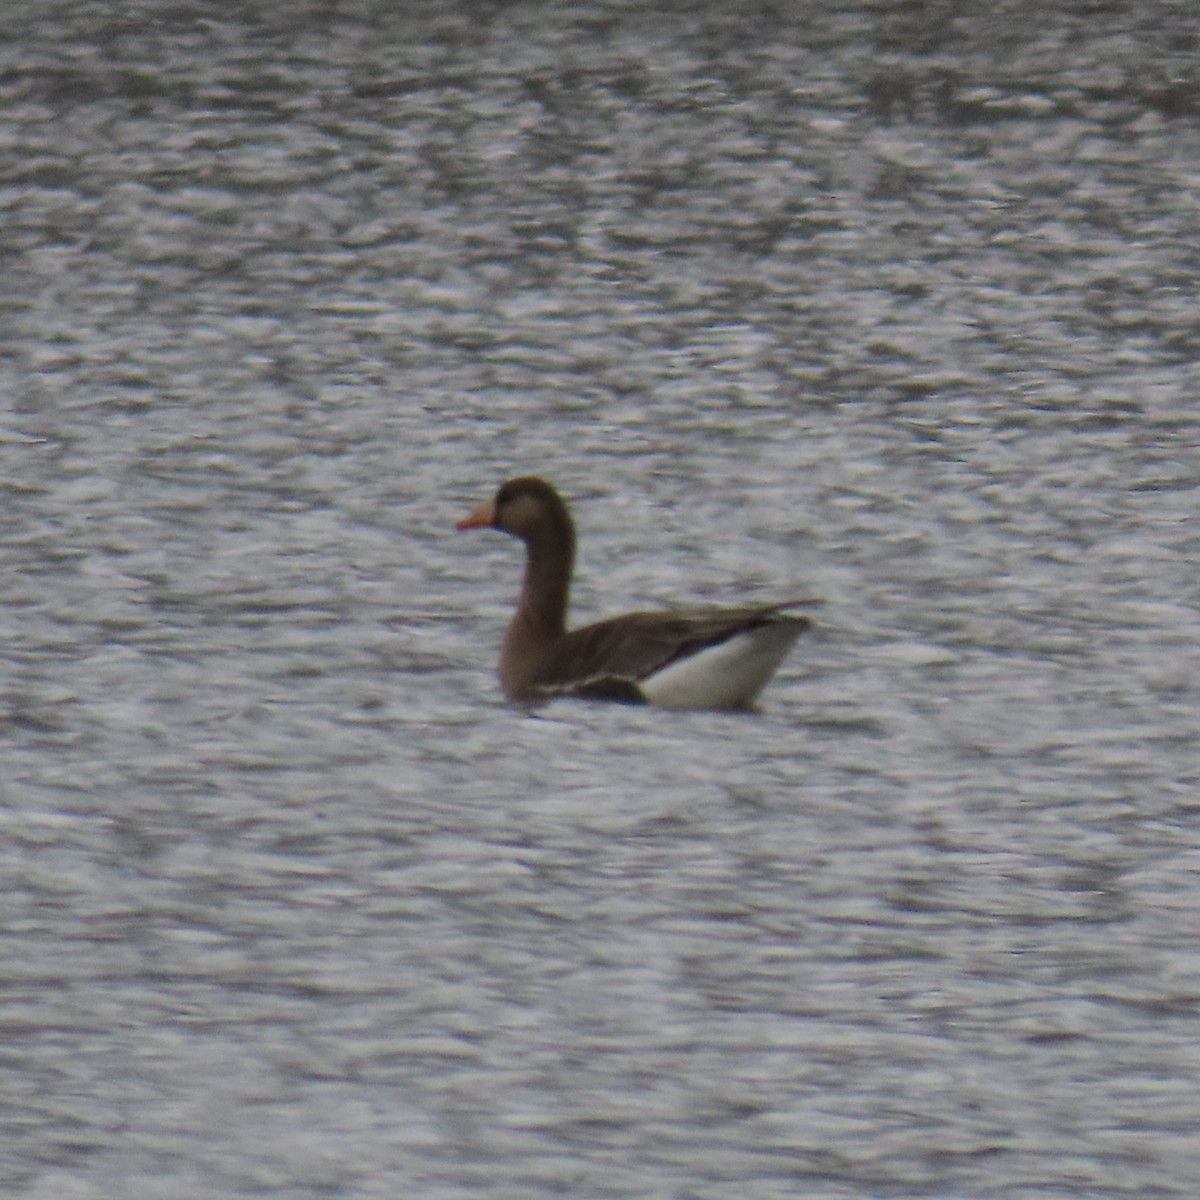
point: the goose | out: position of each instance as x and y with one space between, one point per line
713 658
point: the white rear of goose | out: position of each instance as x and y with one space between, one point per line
729 675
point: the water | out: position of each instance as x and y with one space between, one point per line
885 304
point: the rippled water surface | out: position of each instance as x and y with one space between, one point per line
893 304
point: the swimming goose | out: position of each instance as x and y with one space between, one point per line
699 659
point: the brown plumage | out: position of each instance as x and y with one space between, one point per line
708 658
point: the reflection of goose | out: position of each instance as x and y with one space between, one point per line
706 658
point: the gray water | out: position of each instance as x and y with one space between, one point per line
891 304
